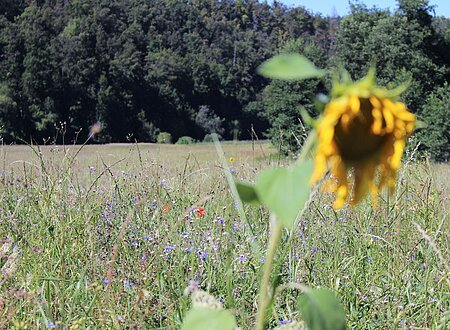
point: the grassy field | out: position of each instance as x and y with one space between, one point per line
110 237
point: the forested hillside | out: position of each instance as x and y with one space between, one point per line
188 67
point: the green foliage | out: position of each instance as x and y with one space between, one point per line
164 137
201 318
321 310
207 313
289 67
380 267
435 137
284 100
247 192
284 191
185 140
143 67
137 67
398 43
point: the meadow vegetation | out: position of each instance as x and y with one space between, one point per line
111 236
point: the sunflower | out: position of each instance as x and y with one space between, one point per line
363 129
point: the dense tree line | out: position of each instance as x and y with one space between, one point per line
188 67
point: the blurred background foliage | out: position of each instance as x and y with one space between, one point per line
189 67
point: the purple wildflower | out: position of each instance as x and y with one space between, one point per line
169 248
193 285
242 258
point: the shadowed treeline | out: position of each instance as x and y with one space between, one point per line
189 67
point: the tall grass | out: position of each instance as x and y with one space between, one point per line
112 237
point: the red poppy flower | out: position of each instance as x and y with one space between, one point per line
166 208
201 212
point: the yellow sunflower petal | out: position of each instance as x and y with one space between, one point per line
375 102
341 196
354 103
389 119
377 121
405 116
326 134
399 147
320 167
410 127
364 174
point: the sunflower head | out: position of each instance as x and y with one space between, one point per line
363 128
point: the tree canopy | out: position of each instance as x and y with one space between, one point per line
185 67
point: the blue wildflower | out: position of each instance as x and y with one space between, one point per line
169 248
242 258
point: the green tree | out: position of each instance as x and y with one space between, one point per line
436 136
396 42
283 100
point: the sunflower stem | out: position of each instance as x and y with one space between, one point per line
264 299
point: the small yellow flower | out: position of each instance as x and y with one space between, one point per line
232 160
362 128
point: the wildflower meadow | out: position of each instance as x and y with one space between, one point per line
339 221
118 236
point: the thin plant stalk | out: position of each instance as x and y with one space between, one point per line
274 240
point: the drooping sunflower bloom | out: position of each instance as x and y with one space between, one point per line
363 130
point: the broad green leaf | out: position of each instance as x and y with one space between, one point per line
289 67
201 318
247 192
285 190
321 310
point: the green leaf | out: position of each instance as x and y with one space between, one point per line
285 190
289 67
247 192
321 310
201 318
421 124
